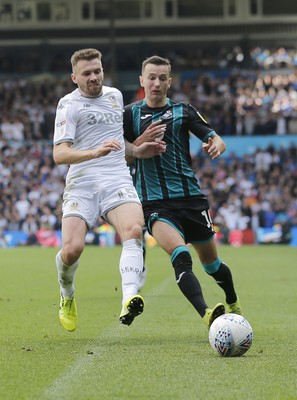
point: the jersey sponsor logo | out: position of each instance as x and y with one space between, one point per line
104 118
145 116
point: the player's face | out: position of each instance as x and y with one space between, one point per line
88 75
156 81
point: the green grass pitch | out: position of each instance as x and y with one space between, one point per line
164 354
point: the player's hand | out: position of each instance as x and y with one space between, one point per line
106 147
155 132
214 147
150 149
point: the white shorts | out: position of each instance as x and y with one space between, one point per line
89 199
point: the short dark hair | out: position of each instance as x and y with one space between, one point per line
84 54
156 60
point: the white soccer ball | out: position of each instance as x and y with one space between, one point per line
231 335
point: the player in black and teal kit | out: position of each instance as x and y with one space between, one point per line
176 209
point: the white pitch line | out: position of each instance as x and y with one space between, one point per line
74 373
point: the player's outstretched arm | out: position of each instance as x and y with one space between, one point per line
63 153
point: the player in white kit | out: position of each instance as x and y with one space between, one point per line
89 137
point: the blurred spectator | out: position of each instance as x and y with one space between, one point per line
30 226
22 206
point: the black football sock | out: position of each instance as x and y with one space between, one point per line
187 281
223 278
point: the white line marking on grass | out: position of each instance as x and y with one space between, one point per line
74 373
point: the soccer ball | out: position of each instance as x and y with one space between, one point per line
230 335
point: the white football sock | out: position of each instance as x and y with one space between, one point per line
66 276
131 265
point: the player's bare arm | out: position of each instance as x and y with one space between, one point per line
154 132
63 153
145 150
214 147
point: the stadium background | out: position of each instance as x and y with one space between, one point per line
235 60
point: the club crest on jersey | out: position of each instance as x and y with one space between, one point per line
113 101
166 115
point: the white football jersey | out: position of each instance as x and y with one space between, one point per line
87 122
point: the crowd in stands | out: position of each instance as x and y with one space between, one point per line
244 103
250 191
240 94
236 100
184 57
260 99
257 190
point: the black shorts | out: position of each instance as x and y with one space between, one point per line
190 216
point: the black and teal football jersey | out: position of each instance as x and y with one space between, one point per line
171 175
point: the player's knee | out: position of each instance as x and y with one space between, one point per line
135 231
71 252
181 259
